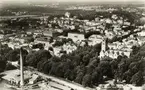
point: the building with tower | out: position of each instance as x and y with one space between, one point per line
113 50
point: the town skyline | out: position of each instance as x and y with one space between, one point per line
68 45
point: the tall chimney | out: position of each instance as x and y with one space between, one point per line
21 68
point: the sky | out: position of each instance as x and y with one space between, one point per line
67 0
44 1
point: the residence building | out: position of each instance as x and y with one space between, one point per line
76 36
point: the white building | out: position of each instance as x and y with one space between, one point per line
47 33
127 23
142 33
76 36
57 50
109 34
114 16
69 47
67 14
109 21
44 41
141 40
1 36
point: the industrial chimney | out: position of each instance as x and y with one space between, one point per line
21 68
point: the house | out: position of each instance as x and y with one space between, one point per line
1 36
117 28
76 36
37 32
141 40
127 23
47 33
68 47
97 19
57 50
24 39
112 46
43 40
110 34
115 17
109 21
65 48
29 32
120 22
67 14
131 43
142 33
61 37
12 45
9 35
72 27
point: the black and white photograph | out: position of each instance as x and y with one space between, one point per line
72 44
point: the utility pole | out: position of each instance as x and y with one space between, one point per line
21 68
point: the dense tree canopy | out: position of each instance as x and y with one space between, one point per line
34 58
83 66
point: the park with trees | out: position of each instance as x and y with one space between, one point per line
84 67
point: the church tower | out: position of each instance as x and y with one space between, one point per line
103 47
104 44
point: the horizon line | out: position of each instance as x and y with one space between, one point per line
76 1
